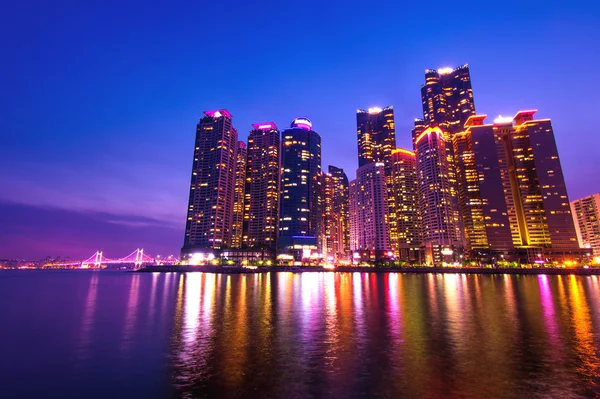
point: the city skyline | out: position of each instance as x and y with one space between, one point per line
110 160
255 128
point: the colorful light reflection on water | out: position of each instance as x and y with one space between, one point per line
286 335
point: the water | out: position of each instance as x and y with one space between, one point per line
134 335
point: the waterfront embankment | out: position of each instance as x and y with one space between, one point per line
302 269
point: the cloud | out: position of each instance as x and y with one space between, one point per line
124 188
33 232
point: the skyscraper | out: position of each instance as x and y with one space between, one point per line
537 202
439 219
512 193
586 212
335 214
369 211
300 212
238 196
262 186
447 98
482 201
404 221
376 135
210 207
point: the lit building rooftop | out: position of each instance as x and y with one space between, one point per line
503 120
302 123
217 113
264 126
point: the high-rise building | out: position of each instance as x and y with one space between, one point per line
376 135
440 230
238 196
210 207
336 245
512 193
300 213
447 98
262 187
586 212
482 202
369 212
537 201
419 127
404 219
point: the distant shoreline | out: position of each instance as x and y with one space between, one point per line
345 269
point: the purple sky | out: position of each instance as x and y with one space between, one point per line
100 101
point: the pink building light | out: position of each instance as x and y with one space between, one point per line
264 126
217 113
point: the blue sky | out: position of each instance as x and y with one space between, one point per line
100 99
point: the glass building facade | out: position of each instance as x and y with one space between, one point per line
300 213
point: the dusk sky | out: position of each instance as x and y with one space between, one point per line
99 101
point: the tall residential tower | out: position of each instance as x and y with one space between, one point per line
440 229
538 205
210 206
586 212
376 135
262 187
335 214
512 193
369 212
447 98
300 213
238 197
405 237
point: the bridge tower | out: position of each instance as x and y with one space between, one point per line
98 259
139 259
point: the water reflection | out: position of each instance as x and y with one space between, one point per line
131 313
87 320
386 335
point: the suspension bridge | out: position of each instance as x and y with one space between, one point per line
137 258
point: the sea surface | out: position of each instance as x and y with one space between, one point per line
108 334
